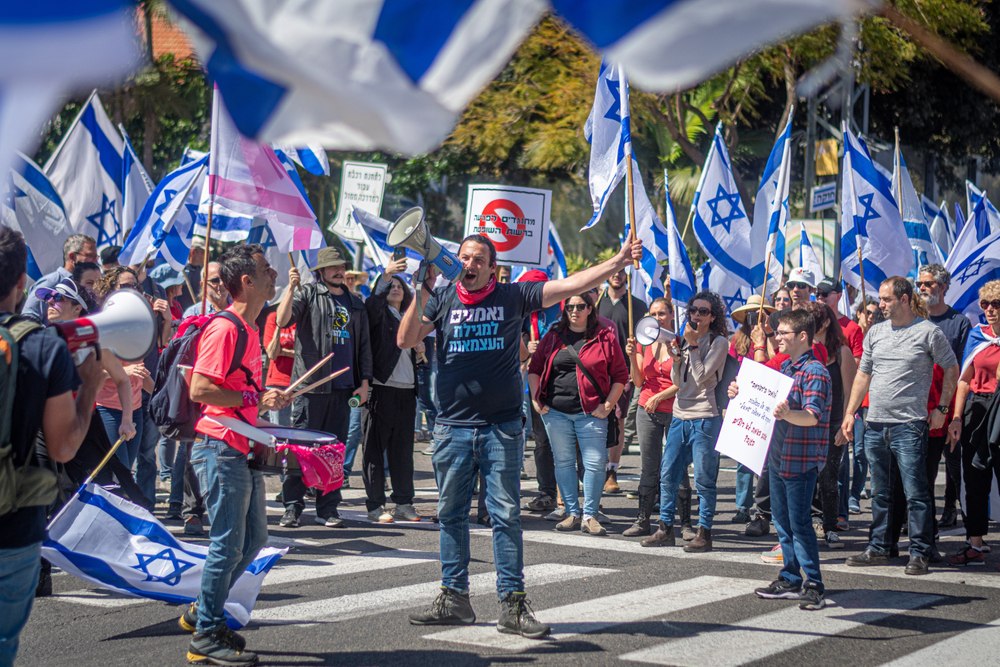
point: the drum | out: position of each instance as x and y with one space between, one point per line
269 460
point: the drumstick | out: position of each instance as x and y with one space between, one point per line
319 382
306 375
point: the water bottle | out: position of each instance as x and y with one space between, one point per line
354 401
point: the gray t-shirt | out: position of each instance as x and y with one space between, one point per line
901 362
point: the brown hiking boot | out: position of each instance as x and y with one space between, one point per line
663 537
702 541
611 482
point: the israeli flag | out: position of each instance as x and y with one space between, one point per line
970 270
942 230
33 206
121 547
770 215
136 185
682 280
870 220
930 209
917 229
376 230
191 155
312 158
647 282
166 225
722 227
975 231
555 264
979 339
807 254
86 168
959 220
607 131
973 195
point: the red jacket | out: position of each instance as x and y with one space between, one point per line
601 355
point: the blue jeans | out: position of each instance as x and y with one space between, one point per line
860 473
165 451
690 440
901 447
234 496
129 450
18 578
282 417
353 440
496 450
791 511
565 431
744 487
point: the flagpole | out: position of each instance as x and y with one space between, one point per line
90 478
208 241
62 142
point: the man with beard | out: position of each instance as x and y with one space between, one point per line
611 304
329 319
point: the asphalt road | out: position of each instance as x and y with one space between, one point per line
341 597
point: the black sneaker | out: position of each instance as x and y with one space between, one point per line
543 503
516 617
757 527
219 647
867 558
449 608
811 598
290 519
188 622
779 589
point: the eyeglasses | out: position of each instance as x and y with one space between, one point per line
578 307
797 286
926 283
781 332
995 304
822 295
704 312
215 281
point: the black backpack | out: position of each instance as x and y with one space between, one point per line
171 407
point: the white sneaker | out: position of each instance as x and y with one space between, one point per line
405 512
379 515
558 514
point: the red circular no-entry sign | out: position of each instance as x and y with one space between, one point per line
504 237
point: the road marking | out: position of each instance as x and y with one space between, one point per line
285 572
768 635
330 610
603 612
978 646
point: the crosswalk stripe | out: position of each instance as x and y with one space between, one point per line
603 612
376 602
767 635
978 646
285 572
964 577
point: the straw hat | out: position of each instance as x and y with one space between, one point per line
752 304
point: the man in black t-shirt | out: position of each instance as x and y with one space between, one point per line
613 305
478 324
328 319
43 401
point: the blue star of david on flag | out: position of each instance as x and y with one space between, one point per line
735 300
866 215
735 209
105 234
168 556
971 270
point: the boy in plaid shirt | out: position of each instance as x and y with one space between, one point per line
797 454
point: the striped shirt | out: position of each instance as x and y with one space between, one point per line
804 447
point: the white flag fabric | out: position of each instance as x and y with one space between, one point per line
607 131
647 282
807 254
918 230
33 206
682 279
136 185
722 227
970 270
49 49
312 158
869 217
942 230
86 169
121 547
975 231
366 74
972 197
770 215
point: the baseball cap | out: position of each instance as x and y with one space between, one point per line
801 275
827 285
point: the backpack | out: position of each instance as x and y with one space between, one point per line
729 372
27 485
171 407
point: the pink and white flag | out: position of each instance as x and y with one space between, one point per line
247 180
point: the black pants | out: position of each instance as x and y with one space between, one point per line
387 428
827 484
936 449
319 412
978 481
651 429
545 468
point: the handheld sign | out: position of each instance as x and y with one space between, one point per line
515 219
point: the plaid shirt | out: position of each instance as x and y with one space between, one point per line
804 447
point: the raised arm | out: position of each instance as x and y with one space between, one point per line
555 291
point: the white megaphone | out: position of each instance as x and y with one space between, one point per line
125 325
648 331
410 231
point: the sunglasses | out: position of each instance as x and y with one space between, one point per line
822 295
995 304
578 307
704 312
55 298
215 281
797 286
926 283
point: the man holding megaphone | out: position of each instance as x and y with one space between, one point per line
478 323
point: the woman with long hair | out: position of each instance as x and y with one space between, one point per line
576 377
698 360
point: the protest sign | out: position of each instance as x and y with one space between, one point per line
749 421
515 219
361 185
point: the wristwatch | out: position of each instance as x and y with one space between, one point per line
943 409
